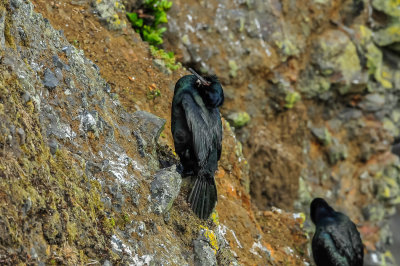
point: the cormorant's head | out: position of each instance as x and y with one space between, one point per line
211 93
319 208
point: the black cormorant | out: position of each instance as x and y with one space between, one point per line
336 241
197 131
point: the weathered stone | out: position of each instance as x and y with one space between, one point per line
390 127
388 190
225 257
322 134
377 258
390 7
374 212
204 254
91 121
336 152
2 27
349 114
50 80
372 102
54 146
165 188
313 85
149 128
388 35
109 12
335 53
162 66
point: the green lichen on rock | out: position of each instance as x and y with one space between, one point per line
374 64
109 12
374 212
390 7
336 151
239 119
336 54
291 98
390 127
40 189
388 185
388 35
165 60
314 85
286 46
233 68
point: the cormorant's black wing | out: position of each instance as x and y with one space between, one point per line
347 239
217 130
200 125
325 249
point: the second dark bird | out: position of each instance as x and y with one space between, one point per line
197 131
336 241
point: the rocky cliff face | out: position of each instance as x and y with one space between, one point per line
87 165
86 180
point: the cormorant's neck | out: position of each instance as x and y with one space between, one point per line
323 213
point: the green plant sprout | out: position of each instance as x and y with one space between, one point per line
167 57
147 21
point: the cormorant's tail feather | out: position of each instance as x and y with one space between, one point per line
203 197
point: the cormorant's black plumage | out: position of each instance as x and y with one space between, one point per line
336 241
197 131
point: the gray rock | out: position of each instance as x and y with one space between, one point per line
225 257
26 97
335 53
377 258
148 130
165 188
27 206
107 263
50 80
21 134
336 152
322 134
2 27
204 255
58 73
54 146
374 212
108 13
34 254
161 65
372 102
349 114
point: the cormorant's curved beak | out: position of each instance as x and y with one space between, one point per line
201 79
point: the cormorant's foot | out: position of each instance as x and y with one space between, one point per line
184 173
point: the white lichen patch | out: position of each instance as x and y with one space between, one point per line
119 247
134 260
276 210
221 232
258 245
118 165
142 260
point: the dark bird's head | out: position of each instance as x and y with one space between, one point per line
212 95
210 90
319 209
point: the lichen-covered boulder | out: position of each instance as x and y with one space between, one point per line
165 188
